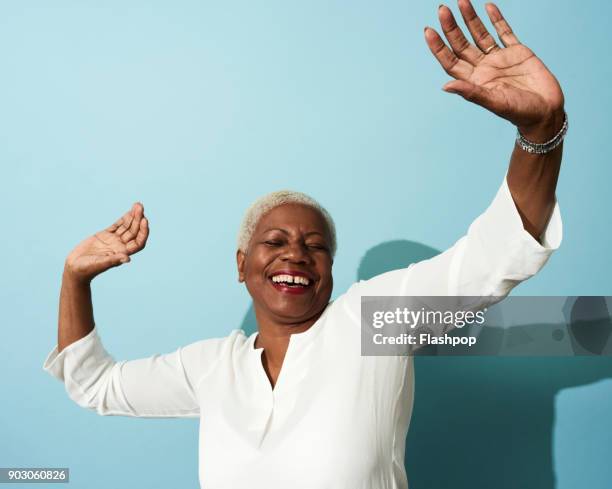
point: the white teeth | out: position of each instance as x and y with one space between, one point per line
290 279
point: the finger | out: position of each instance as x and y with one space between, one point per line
455 67
503 29
114 226
140 241
128 221
458 42
489 99
479 32
120 258
131 232
124 222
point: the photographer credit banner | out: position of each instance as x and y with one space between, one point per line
514 326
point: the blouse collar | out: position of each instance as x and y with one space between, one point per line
296 340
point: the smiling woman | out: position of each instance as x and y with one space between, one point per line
286 264
295 404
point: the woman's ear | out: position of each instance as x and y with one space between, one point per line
240 259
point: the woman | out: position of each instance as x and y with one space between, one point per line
295 404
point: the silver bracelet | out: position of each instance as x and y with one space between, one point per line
542 148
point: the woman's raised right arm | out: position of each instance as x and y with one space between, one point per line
157 386
105 249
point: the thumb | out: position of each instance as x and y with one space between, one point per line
104 262
474 93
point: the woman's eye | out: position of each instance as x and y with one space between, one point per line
273 243
316 246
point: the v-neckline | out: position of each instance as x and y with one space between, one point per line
296 340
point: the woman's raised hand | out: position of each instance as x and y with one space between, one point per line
110 247
509 81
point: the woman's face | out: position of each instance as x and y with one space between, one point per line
288 265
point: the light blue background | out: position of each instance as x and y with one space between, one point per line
197 108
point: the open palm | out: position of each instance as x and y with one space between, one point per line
510 82
111 246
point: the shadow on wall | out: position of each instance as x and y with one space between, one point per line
489 421
249 322
486 421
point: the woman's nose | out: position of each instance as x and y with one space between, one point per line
296 252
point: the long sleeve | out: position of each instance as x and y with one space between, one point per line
157 386
494 256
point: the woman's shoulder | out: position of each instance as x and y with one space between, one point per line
216 345
201 356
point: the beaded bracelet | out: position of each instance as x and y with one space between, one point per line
542 148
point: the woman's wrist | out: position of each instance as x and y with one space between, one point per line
545 130
70 278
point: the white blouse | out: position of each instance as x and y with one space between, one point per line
335 419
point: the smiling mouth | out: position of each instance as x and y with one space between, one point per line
291 283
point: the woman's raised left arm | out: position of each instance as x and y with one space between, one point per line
515 236
512 83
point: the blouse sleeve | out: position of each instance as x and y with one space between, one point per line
494 256
158 386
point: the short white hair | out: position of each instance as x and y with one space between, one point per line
266 203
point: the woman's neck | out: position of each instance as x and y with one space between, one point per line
273 337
